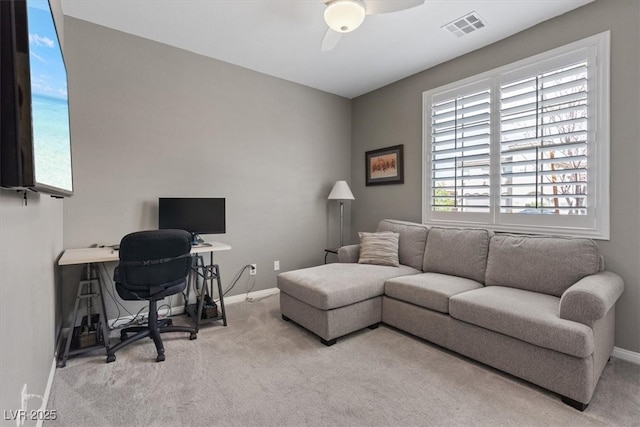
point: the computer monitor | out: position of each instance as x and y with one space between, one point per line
193 214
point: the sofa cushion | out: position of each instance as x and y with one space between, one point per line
457 251
411 243
429 290
528 316
540 263
379 248
336 285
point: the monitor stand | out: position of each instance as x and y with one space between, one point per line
195 239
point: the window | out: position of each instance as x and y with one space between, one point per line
523 148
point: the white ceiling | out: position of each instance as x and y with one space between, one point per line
282 37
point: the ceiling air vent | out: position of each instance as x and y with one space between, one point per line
465 25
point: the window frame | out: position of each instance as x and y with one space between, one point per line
593 225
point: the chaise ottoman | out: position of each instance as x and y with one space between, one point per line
333 300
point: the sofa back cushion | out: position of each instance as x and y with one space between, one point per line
412 240
458 252
545 264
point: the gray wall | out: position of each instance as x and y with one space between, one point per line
149 120
392 115
30 243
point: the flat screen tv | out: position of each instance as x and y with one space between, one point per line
35 145
193 214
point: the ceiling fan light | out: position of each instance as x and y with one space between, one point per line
344 16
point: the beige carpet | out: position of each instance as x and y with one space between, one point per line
262 371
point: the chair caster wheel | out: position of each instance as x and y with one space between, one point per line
193 336
160 358
111 358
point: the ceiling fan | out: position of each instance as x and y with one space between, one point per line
344 16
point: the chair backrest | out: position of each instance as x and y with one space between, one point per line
152 259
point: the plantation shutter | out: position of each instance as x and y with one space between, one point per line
524 147
544 142
460 160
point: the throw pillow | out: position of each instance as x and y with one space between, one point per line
379 248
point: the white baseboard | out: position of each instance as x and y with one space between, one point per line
629 356
47 390
251 296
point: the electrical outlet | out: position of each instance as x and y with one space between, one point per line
252 270
276 265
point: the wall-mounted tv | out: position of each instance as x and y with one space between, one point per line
195 215
35 145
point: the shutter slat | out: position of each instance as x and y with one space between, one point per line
576 139
546 126
543 173
465 140
544 196
511 96
448 116
508 187
452 153
461 122
573 84
579 70
480 127
547 161
559 100
477 188
545 114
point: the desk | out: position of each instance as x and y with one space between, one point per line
91 287
106 254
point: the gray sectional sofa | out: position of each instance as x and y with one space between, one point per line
541 308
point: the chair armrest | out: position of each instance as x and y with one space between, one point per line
591 298
350 253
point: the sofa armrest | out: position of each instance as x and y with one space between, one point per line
350 253
591 298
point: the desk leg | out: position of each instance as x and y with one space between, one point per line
105 319
203 291
196 266
62 363
208 273
215 272
92 277
224 312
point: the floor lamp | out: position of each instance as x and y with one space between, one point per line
342 192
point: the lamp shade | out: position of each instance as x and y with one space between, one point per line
341 191
344 16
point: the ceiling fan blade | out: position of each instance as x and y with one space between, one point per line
330 40
376 7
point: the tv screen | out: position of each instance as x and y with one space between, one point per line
195 215
36 146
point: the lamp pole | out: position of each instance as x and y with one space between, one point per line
341 192
341 220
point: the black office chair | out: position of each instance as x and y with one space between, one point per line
153 265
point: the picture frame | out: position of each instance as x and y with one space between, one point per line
385 166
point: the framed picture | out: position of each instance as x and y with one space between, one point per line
385 166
